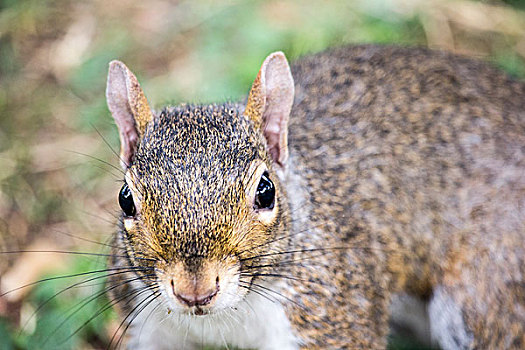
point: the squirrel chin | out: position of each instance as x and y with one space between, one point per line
197 311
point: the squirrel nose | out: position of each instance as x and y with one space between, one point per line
195 296
196 299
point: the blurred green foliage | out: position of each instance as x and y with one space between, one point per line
53 61
57 312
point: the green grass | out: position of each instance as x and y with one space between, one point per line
55 313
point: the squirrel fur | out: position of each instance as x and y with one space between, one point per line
398 171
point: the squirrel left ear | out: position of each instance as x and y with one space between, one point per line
270 103
129 107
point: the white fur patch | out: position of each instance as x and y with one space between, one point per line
446 322
255 323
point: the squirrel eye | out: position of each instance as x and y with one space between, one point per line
125 199
265 195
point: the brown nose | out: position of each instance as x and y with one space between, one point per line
194 299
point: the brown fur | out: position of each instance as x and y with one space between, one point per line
406 172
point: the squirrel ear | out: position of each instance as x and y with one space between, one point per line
270 103
129 107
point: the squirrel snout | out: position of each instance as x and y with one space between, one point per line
196 300
196 294
200 286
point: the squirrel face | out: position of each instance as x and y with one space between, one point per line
197 181
202 203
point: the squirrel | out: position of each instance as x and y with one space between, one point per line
297 219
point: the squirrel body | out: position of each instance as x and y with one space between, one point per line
398 171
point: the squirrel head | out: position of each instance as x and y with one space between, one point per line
203 207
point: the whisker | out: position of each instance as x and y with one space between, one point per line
286 236
147 318
62 277
83 303
277 293
111 222
68 252
110 147
106 171
128 166
276 275
148 300
258 292
43 304
285 262
312 262
99 160
108 305
327 249
292 252
87 239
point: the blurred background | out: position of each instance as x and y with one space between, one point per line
58 189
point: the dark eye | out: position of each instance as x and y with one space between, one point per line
265 195
125 199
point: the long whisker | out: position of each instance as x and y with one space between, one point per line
119 342
148 300
107 171
68 252
273 301
280 238
147 318
99 160
292 261
83 303
292 252
113 215
87 240
62 277
128 166
108 305
277 293
276 275
43 304
327 249
110 147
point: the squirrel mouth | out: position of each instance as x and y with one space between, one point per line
200 312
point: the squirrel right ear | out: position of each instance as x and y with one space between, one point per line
270 103
129 107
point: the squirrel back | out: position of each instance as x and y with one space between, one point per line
396 171
420 154
422 142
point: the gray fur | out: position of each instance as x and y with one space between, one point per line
406 175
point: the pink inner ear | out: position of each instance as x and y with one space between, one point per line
119 105
273 148
279 90
128 139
